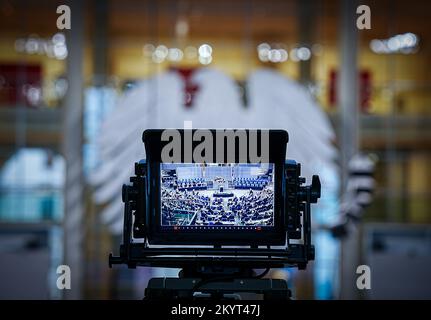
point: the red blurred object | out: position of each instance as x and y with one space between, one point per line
365 89
190 88
15 80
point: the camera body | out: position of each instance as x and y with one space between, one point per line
228 193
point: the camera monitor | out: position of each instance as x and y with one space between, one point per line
220 196
228 193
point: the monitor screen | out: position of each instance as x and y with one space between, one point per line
199 196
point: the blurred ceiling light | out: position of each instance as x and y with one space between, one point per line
283 55
159 55
263 51
175 54
303 53
181 28
205 60
274 55
32 46
377 46
263 46
59 38
162 51
60 51
263 55
205 51
394 44
191 52
34 95
401 43
409 40
54 47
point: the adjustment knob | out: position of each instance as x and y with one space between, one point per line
315 189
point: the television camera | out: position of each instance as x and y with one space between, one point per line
208 202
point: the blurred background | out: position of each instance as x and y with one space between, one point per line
57 87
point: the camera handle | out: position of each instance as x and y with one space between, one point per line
298 198
132 203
